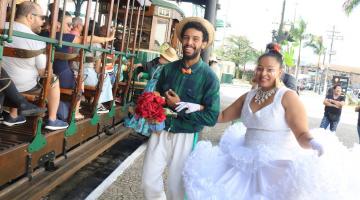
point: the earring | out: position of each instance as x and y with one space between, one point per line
278 83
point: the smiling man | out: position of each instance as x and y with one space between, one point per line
192 89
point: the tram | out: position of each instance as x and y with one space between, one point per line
34 160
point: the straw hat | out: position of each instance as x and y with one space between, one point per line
170 54
205 23
20 1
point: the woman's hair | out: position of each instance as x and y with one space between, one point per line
273 50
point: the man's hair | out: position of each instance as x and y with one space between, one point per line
198 26
25 8
77 21
336 85
60 14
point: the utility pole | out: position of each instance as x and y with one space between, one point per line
280 31
334 35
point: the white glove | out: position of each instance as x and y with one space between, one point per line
317 146
191 107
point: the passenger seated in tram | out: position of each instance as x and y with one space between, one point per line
61 66
26 72
92 71
10 95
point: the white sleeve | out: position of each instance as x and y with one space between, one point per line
40 61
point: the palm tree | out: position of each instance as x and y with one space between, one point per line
298 34
317 44
349 5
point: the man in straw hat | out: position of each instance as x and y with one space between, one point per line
167 54
153 70
192 90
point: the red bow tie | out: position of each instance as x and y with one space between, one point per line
186 71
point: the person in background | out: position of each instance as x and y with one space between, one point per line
357 109
25 72
61 67
78 25
144 70
139 124
289 81
333 106
214 65
10 95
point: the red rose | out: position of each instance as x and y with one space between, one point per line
150 107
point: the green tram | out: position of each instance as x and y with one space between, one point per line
34 160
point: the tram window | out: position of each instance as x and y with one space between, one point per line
161 33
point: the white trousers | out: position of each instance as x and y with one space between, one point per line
166 149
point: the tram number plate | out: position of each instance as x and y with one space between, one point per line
164 12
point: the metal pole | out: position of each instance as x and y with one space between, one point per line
210 14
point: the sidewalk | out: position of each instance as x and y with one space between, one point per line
127 184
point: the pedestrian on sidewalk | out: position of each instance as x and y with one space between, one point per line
333 106
357 109
192 89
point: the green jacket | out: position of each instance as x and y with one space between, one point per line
201 87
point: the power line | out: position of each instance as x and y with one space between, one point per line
334 35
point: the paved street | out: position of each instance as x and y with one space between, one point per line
127 185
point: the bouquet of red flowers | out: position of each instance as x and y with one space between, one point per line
150 107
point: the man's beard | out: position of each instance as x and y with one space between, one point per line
192 56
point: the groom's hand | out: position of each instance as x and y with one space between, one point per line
171 98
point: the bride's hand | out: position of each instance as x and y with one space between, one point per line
317 146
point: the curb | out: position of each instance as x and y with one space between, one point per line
96 193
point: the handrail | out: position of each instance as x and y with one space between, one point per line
12 18
62 25
70 44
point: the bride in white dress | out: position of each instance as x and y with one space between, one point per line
274 157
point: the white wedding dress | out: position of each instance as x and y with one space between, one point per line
264 161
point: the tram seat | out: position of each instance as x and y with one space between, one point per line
66 91
90 91
31 97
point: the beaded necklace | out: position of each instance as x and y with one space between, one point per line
261 96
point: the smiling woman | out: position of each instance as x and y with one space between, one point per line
263 158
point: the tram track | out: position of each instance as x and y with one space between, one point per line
43 181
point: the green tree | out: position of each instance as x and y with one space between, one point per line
349 5
298 33
317 44
238 49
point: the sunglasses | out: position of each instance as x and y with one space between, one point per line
41 16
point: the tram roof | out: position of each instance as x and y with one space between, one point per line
140 2
198 2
